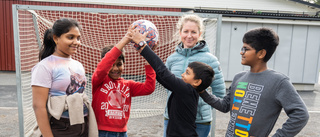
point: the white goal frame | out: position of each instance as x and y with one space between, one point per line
214 47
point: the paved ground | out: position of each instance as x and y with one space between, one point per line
150 126
9 121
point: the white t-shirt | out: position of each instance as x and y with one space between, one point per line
63 76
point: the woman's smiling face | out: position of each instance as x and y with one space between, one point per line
190 34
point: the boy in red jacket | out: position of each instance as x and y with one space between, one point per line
112 94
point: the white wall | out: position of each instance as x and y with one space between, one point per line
297 55
281 5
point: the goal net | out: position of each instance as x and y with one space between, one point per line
99 29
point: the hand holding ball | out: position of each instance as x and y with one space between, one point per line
146 26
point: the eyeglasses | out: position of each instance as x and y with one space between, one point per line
244 50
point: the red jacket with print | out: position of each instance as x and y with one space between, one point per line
111 99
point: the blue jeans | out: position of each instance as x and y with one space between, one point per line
202 130
103 133
165 124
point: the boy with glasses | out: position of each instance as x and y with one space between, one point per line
257 96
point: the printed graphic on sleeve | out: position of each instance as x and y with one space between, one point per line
244 105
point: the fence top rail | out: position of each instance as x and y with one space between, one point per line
114 11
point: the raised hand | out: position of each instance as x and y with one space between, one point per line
126 39
128 36
137 36
139 39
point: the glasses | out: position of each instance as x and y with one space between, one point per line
244 50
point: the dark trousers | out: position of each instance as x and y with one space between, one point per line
62 128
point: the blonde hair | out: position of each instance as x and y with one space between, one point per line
192 18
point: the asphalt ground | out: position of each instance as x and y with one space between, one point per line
149 126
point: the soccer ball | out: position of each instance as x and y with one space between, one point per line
147 26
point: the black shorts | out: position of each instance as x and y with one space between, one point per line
62 128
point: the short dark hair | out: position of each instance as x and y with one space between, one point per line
204 72
262 38
107 49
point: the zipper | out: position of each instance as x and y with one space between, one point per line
186 59
200 105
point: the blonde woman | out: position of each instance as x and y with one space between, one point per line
193 48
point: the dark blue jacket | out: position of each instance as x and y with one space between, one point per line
178 62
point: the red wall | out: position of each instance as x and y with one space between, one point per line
7 60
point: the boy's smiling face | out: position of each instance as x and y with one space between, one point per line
116 69
188 77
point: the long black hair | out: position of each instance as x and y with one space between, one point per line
59 27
